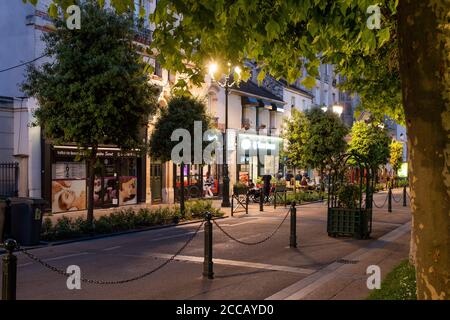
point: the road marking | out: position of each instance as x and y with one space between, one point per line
302 288
58 258
174 236
112 248
235 263
238 224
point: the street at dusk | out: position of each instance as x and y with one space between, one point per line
225 158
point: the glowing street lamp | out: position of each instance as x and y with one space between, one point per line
338 109
227 83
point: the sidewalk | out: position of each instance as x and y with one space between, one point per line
347 279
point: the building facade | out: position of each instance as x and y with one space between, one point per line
255 110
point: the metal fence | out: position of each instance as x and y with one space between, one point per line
9 179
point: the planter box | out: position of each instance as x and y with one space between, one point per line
349 222
280 188
240 191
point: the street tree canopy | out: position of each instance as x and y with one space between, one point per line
395 155
95 91
370 141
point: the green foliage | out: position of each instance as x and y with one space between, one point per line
371 142
326 138
275 34
304 196
399 284
240 188
95 91
295 134
348 196
396 155
313 138
180 113
123 220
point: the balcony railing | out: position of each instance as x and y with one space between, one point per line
143 35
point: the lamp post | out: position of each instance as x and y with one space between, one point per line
227 83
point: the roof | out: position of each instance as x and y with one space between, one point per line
295 88
255 90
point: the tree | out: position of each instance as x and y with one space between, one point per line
395 155
95 91
276 34
325 141
295 134
181 113
370 141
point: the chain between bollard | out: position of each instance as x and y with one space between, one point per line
396 200
257 242
112 282
379 207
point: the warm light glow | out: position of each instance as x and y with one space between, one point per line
238 71
324 109
338 109
212 69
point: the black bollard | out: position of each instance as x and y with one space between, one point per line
390 199
232 204
246 203
293 237
207 262
261 200
275 199
404 196
9 272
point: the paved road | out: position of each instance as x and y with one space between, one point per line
269 270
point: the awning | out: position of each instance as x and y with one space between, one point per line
249 101
272 106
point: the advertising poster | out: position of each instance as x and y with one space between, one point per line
105 194
243 177
68 195
128 190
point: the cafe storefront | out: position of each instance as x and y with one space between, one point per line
257 155
119 179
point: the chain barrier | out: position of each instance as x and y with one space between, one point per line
257 242
106 282
379 207
399 199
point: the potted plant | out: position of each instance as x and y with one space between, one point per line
240 188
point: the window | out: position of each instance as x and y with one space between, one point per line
334 98
326 97
317 95
303 104
293 102
272 119
158 69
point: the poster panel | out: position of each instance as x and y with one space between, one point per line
68 195
127 190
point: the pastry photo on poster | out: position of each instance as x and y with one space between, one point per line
68 195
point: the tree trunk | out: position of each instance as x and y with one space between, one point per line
90 194
182 210
424 69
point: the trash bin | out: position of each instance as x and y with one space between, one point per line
26 220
